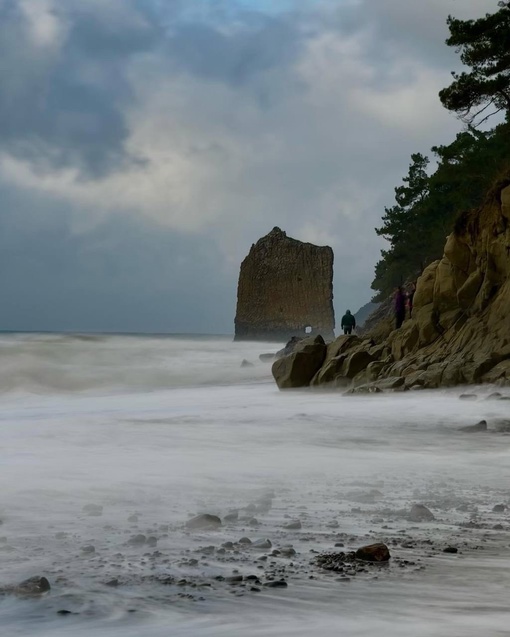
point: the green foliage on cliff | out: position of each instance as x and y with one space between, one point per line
427 203
484 47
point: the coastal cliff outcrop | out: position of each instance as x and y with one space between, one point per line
285 289
459 332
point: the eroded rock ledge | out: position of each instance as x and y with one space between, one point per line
460 329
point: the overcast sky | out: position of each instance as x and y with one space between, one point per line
146 144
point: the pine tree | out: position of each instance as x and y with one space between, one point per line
484 46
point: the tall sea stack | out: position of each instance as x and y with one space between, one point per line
285 289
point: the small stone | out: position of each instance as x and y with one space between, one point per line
245 540
204 521
373 553
451 549
137 540
276 584
296 524
246 363
499 508
33 586
288 551
468 397
89 548
113 583
133 519
232 516
262 544
234 579
64 612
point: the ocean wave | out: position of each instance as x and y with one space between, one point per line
45 363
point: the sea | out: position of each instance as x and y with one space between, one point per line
110 444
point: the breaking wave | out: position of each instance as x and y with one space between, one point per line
43 363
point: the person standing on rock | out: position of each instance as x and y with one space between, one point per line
348 322
400 307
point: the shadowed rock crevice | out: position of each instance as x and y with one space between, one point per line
285 289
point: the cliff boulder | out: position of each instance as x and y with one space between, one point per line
285 289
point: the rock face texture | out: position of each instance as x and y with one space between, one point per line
459 332
285 289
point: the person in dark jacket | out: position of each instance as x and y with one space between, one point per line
348 322
400 307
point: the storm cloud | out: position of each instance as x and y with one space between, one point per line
145 145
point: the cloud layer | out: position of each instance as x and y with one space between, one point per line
145 145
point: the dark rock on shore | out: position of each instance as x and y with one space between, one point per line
373 553
32 587
298 369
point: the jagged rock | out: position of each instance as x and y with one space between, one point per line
373 553
246 363
420 513
424 294
298 369
203 521
466 294
355 363
289 347
285 286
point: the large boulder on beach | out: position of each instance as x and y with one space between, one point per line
297 369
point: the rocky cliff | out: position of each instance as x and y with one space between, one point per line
285 289
460 329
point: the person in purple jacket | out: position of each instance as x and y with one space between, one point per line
400 307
